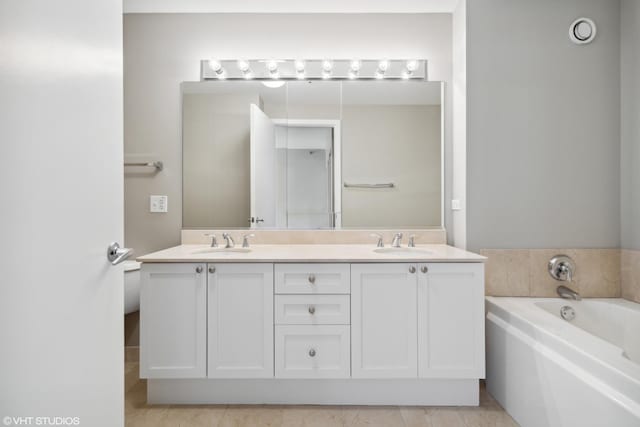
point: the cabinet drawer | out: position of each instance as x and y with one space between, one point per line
312 278
312 310
314 351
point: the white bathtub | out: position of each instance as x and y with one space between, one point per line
547 371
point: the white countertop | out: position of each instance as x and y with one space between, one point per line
310 254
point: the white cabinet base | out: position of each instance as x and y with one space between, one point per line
432 392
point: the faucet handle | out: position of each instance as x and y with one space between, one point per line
412 241
245 239
380 243
214 241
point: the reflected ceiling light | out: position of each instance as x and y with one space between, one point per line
299 65
245 67
273 84
327 67
354 68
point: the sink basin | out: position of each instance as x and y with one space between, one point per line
402 251
223 251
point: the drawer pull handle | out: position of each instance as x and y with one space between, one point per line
312 353
312 309
312 279
412 269
212 270
424 269
198 269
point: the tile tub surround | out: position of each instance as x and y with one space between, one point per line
308 237
630 275
524 273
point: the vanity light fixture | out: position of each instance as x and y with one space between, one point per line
313 69
275 84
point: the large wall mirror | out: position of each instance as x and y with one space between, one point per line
312 154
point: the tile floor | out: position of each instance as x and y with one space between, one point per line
138 414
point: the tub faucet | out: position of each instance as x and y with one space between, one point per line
230 243
562 268
396 240
568 293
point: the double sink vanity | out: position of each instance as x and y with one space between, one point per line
313 324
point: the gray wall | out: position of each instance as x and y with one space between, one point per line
162 50
630 124
543 125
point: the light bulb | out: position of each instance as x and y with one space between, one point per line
299 65
327 66
379 75
272 66
383 66
353 74
243 65
215 66
412 65
355 65
300 75
273 84
406 74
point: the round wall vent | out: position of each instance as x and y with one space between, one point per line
582 31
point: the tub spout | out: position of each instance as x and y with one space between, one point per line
568 293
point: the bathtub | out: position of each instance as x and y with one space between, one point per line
548 371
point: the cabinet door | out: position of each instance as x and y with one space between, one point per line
384 321
240 321
451 320
173 321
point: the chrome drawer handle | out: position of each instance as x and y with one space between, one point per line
198 269
412 269
212 270
312 279
312 309
424 269
312 353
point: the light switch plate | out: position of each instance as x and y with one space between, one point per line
158 204
456 205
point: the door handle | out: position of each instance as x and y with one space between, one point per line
116 254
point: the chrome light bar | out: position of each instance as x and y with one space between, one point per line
313 69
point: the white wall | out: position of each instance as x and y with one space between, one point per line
543 125
459 118
162 50
630 150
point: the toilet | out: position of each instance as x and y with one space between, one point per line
131 286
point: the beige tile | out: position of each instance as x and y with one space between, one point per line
542 284
132 354
444 417
597 273
312 416
414 416
507 272
630 275
373 416
252 416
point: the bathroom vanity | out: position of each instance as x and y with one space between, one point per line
313 324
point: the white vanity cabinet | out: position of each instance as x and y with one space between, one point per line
451 320
173 321
240 324
384 321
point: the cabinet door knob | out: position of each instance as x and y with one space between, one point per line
212 270
424 269
312 279
198 269
312 353
312 309
412 269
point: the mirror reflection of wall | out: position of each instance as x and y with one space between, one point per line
281 157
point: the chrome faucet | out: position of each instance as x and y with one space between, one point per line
380 243
230 243
568 293
214 241
396 240
245 240
562 268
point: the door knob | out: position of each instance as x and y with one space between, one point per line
116 254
